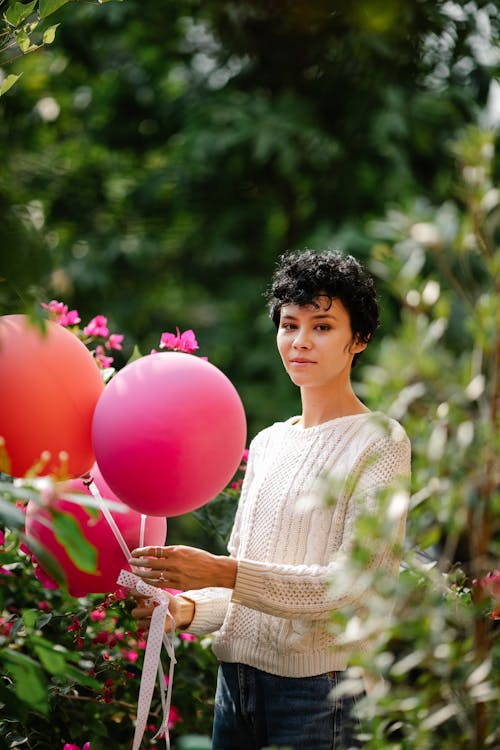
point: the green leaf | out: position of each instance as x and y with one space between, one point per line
24 42
136 354
107 373
29 679
82 678
11 516
53 661
217 516
18 12
43 620
50 34
68 532
50 6
30 617
46 560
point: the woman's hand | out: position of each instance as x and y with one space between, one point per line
180 567
181 609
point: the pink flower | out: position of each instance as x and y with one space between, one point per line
58 312
71 318
188 637
86 746
182 342
97 614
44 606
5 571
173 717
244 457
75 625
131 655
2 538
98 326
69 746
6 626
491 584
115 341
120 594
101 357
54 307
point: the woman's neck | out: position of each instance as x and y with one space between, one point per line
318 407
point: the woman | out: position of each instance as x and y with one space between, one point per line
288 565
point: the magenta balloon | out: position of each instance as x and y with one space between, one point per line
168 432
110 557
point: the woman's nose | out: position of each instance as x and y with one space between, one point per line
301 340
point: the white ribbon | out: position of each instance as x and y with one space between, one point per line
152 657
156 636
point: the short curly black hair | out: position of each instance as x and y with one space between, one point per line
302 276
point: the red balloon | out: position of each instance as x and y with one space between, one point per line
169 432
50 385
110 556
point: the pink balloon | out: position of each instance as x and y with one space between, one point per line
110 557
168 432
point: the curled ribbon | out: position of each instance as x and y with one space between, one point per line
152 657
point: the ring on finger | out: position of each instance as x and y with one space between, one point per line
161 577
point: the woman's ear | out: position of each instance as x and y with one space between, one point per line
357 345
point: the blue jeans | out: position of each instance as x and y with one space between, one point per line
255 710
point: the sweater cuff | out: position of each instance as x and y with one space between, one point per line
248 584
210 609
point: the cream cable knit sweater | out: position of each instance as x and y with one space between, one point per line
292 548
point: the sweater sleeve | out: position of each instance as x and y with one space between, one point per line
310 592
211 603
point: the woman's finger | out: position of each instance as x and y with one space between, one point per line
148 552
140 613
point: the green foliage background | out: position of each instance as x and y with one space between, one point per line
156 158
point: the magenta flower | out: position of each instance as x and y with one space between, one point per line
75 625
97 614
115 341
173 717
131 655
70 318
54 307
2 538
101 357
69 746
182 342
98 326
491 584
188 637
58 312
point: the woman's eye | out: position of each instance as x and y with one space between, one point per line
323 327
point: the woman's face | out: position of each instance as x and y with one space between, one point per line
316 342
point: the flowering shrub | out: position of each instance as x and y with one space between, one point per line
96 331
72 667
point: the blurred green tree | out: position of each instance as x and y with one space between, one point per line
439 374
167 155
